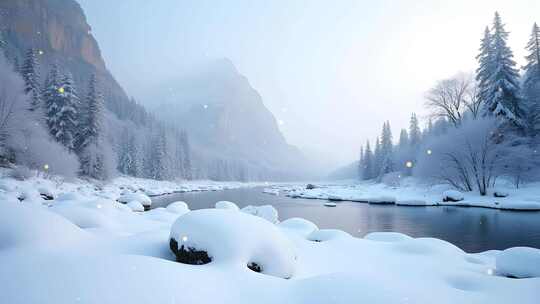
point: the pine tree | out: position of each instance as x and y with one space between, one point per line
415 134
188 174
361 163
377 158
403 139
386 150
52 100
65 129
30 75
368 162
531 83
158 167
502 91
485 66
90 116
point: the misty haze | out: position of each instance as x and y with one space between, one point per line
269 151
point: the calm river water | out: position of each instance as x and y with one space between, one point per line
472 229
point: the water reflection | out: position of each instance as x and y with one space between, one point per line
472 229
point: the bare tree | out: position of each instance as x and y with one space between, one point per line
466 157
451 98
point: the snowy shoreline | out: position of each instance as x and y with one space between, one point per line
412 194
89 248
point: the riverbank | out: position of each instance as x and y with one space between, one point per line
411 192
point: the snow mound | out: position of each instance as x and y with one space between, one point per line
135 206
519 262
161 215
232 239
142 198
267 212
387 237
428 247
68 196
227 205
298 226
452 196
324 235
23 226
178 208
382 200
97 213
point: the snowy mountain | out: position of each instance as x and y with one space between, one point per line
226 117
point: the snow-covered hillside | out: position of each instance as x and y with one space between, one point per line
85 247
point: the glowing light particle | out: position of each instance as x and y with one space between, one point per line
61 90
409 164
184 238
46 167
490 271
205 106
429 151
98 206
281 122
40 52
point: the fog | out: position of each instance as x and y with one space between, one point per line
331 72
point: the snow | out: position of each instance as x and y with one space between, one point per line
138 197
299 226
227 205
178 208
222 234
324 235
453 196
414 192
88 248
266 212
135 206
387 237
519 262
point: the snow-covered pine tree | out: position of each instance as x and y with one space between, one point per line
90 116
403 139
415 134
52 100
188 174
386 150
485 66
503 91
158 168
531 82
377 158
30 75
368 162
66 117
360 163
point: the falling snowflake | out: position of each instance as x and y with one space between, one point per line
409 164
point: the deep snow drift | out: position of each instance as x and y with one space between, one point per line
85 247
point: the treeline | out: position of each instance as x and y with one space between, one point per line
40 115
481 127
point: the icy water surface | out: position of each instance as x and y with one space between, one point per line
472 229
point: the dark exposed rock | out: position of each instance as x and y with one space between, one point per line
254 266
189 255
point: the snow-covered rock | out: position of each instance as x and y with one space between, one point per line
227 205
267 212
500 193
271 191
519 262
452 196
142 198
178 207
234 239
298 226
135 206
330 204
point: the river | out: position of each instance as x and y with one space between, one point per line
472 229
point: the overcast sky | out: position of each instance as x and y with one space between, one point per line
330 71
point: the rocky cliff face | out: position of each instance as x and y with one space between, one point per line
58 29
